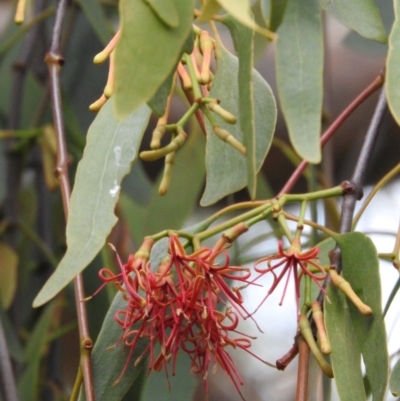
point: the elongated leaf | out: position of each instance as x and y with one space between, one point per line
28 384
94 13
243 40
183 384
361 269
171 210
273 12
226 167
392 81
210 8
147 51
361 16
166 11
394 381
8 275
346 352
299 65
111 148
241 10
109 357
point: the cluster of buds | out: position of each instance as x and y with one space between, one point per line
195 75
180 308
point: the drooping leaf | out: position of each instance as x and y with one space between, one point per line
13 342
392 80
94 13
394 381
28 385
183 384
226 167
346 352
8 275
171 210
243 40
299 65
109 357
147 51
111 148
166 11
158 102
210 8
273 12
361 269
241 10
361 16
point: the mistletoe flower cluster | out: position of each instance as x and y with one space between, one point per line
292 262
185 305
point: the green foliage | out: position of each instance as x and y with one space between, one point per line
394 381
361 16
148 50
392 66
299 65
112 147
352 333
226 167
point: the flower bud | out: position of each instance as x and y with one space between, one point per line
224 114
345 287
227 137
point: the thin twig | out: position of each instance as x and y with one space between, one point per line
368 91
350 198
54 61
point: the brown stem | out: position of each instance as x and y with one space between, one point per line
283 362
368 91
302 370
54 62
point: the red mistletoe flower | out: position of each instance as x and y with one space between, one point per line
178 308
292 262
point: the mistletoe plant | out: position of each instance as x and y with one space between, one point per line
174 299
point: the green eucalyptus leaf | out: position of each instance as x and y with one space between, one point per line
158 103
273 12
28 385
361 269
183 384
299 65
226 167
243 40
166 11
241 11
394 381
95 14
346 352
171 210
392 80
111 148
210 8
147 51
362 16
